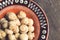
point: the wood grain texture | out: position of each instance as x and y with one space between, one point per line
52 9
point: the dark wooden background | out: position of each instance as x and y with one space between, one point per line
52 9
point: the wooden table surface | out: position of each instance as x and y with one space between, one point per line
52 9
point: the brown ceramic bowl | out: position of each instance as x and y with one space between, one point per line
31 13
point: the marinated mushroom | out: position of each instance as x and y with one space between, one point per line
2 34
4 23
14 28
17 35
31 28
11 16
23 29
3 20
24 21
24 37
8 31
11 37
17 22
12 23
21 15
30 35
30 22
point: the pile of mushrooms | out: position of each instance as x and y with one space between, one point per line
16 27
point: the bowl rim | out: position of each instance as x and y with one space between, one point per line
45 16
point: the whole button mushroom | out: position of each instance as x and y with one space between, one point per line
8 31
4 23
24 21
3 20
31 28
24 37
11 37
11 16
17 35
12 23
23 29
17 22
30 35
2 34
21 15
14 28
30 22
